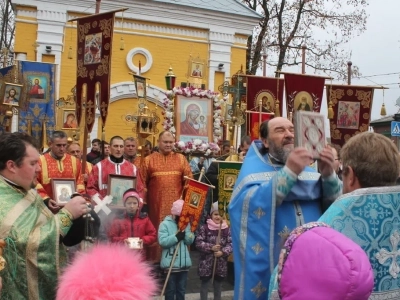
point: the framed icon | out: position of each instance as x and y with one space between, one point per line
118 185
63 189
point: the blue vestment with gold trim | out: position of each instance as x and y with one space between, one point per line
267 203
371 218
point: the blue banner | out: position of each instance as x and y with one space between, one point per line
6 75
40 94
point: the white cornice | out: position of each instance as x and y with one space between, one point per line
149 11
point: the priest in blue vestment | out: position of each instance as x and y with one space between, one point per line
276 191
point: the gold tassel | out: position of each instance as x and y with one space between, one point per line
277 112
29 130
383 110
70 53
44 136
103 134
122 44
331 114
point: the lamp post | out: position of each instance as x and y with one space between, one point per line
170 79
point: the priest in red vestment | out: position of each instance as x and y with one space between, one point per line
57 164
114 164
163 178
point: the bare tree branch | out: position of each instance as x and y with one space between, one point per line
324 26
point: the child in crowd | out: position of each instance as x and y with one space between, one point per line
132 223
214 241
318 262
169 238
107 272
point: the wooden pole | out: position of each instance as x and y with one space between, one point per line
170 269
98 2
349 64
303 59
265 63
259 118
85 129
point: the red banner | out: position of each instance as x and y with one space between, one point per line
266 89
352 111
254 122
303 92
94 50
195 197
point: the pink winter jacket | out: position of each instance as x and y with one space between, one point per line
321 263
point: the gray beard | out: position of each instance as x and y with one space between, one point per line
278 153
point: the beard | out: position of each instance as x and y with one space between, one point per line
281 153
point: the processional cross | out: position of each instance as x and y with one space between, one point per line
237 90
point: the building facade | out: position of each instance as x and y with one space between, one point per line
159 34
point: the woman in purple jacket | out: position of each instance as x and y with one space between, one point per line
215 244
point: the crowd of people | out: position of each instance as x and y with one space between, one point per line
299 228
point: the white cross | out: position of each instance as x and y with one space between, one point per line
102 204
383 255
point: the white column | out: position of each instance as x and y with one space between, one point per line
219 53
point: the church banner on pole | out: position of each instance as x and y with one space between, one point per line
303 92
227 175
194 197
352 111
270 91
40 81
94 49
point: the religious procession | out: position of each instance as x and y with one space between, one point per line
151 154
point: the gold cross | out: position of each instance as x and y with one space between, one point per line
257 248
259 289
259 213
103 107
89 115
37 128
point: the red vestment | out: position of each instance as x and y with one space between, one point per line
163 179
67 167
98 178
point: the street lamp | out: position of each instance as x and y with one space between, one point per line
170 79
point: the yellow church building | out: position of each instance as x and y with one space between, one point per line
204 42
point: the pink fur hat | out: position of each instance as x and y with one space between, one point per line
98 275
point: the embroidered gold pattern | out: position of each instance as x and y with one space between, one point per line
259 213
259 289
284 233
103 68
257 248
364 97
82 71
105 26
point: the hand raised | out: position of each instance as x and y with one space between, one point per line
298 159
326 162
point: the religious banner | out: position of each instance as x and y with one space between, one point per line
40 81
303 92
254 123
6 75
94 50
352 111
194 197
267 89
227 175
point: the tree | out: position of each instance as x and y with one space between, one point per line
324 26
7 21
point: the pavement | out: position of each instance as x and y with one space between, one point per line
194 283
